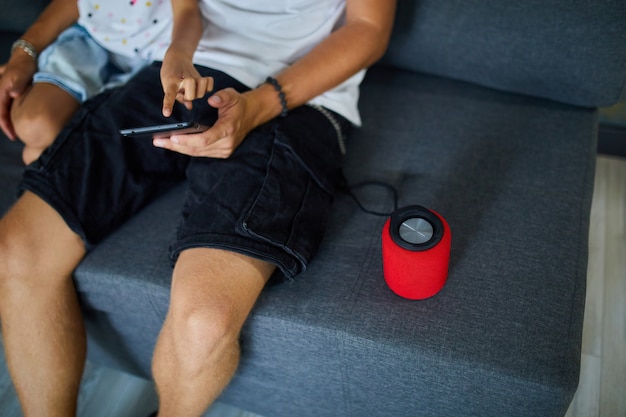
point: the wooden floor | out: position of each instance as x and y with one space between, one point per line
602 389
107 393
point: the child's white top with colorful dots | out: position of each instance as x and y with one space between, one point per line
133 28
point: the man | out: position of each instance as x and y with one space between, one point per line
263 139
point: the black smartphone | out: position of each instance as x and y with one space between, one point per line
164 131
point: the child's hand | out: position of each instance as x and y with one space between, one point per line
15 77
181 82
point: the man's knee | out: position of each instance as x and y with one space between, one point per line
14 263
36 246
204 333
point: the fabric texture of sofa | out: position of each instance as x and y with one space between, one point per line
482 110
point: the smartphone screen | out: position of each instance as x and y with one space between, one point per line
164 131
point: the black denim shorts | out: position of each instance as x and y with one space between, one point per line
269 200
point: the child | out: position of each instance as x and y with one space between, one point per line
74 50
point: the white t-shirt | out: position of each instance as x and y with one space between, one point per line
132 28
253 39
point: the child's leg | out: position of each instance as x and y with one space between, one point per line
39 115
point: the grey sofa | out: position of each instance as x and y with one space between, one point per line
482 110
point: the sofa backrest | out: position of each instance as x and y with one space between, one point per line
17 15
573 51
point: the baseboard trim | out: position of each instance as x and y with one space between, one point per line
612 140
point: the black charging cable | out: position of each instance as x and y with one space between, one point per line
349 190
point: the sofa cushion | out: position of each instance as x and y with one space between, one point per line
512 175
571 51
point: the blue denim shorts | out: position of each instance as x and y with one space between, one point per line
269 200
76 63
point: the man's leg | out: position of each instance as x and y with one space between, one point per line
42 326
197 353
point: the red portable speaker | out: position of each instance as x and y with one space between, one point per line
416 252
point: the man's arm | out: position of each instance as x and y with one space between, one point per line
360 42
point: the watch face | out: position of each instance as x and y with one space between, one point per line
415 228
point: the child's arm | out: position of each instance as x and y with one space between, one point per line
17 73
58 16
180 79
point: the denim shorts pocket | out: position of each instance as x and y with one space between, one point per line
291 208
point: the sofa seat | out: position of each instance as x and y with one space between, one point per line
506 328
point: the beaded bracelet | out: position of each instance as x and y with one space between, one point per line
26 47
283 101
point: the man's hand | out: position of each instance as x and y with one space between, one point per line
15 77
181 81
236 118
